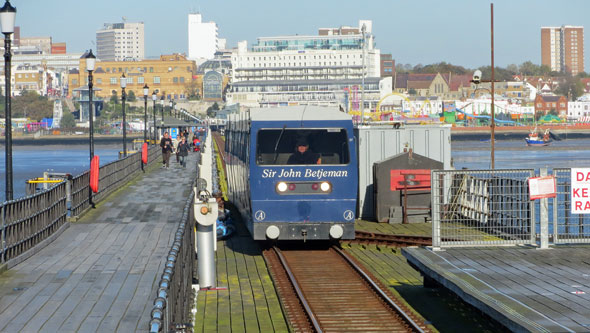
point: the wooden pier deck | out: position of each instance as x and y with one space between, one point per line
101 273
523 288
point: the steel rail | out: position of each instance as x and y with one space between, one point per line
304 303
396 239
379 291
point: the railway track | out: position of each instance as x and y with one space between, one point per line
327 290
371 238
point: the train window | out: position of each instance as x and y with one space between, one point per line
275 146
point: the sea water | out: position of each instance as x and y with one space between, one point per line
31 161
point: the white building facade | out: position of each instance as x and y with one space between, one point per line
316 70
202 38
121 42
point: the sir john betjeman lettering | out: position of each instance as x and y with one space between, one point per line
307 173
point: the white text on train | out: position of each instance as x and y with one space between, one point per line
309 173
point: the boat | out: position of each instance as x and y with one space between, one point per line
534 139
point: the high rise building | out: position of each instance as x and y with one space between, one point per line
202 38
562 48
121 42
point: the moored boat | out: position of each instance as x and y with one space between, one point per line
534 139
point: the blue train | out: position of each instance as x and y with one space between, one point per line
293 172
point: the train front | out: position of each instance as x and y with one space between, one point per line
303 176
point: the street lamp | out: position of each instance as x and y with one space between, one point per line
171 105
90 62
7 17
124 124
154 98
162 111
146 91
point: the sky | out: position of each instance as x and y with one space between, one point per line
414 32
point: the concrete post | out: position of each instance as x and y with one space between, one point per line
544 215
206 216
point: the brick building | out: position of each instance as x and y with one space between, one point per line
547 103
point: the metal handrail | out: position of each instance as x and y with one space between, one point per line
174 298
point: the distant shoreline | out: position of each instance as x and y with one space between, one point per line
68 140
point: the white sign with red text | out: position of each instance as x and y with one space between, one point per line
580 195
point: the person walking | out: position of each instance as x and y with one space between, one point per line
182 151
166 144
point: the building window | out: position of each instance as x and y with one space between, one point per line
99 81
113 80
151 69
140 79
74 82
182 80
175 80
156 79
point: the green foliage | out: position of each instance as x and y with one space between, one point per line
571 86
441 67
191 89
32 105
212 110
412 92
114 98
67 121
131 96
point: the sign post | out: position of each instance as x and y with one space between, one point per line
543 188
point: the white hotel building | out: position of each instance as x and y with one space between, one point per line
203 40
302 70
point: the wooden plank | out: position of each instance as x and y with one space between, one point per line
223 301
279 322
248 305
237 311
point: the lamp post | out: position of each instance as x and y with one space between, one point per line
124 124
154 98
162 112
90 62
171 104
7 17
146 91
477 80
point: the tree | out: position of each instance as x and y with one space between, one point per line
192 90
114 98
212 110
67 121
571 86
131 97
31 105
412 92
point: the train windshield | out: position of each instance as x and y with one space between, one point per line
328 146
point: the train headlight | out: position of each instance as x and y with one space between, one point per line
325 186
282 187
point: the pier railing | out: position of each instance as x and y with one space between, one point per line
493 207
482 207
174 298
28 221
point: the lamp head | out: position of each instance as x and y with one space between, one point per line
476 77
146 90
123 81
7 17
154 96
90 61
